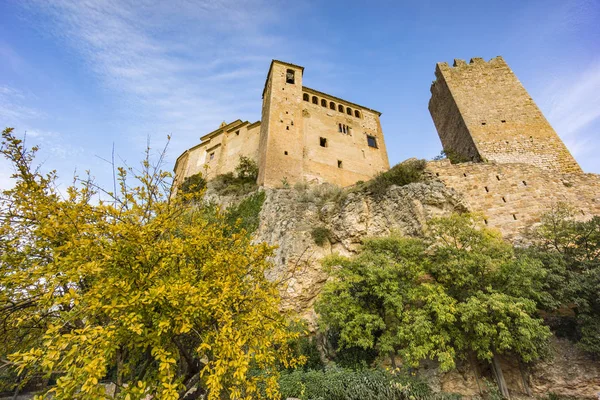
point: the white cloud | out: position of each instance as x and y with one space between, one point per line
180 67
573 104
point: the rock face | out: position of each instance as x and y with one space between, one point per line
289 216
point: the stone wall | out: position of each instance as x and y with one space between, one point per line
482 112
514 196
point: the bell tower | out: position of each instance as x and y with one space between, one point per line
281 133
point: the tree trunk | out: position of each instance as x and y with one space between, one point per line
476 373
500 376
524 378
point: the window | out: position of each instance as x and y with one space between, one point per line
332 105
343 128
289 76
315 100
306 97
339 163
285 153
211 156
323 142
348 111
324 103
237 133
372 141
357 113
340 108
340 127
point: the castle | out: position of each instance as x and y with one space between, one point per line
303 135
513 166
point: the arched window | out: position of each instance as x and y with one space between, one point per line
289 76
324 103
315 100
357 113
341 108
348 111
332 105
306 97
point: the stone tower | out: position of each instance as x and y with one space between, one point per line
281 134
483 113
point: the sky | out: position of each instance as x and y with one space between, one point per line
78 77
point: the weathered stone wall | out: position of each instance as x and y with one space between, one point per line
482 111
227 145
514 196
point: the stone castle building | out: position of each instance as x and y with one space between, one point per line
515 167
303 135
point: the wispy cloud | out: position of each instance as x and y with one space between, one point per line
180 66
12 107
574 106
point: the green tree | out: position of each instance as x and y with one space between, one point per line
460 291
141 290
570 251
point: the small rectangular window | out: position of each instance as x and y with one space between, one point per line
212 155
372 141
339 163
289 76
323 142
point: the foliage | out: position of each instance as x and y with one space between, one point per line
245 215
193 184
320 194
240 183
247 169
570 251
141 290
462 289
406 172
344 384
451 155
320 235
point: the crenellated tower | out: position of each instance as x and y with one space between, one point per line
483 113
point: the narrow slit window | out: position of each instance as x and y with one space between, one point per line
465 175
524 183
290 76
498 177
323 142
340 127
306 97
323 103
339 163
344 128
504 199
372 141
332 105
315 100
487 190
515 217
485 220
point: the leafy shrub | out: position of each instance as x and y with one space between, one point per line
320 235
344 384
247 169
451 155
245 215
409 171
193 184
240 183
320 194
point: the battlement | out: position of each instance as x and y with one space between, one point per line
462 67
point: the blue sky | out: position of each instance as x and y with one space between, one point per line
80 75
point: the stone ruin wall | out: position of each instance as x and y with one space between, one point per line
513 197
482 112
